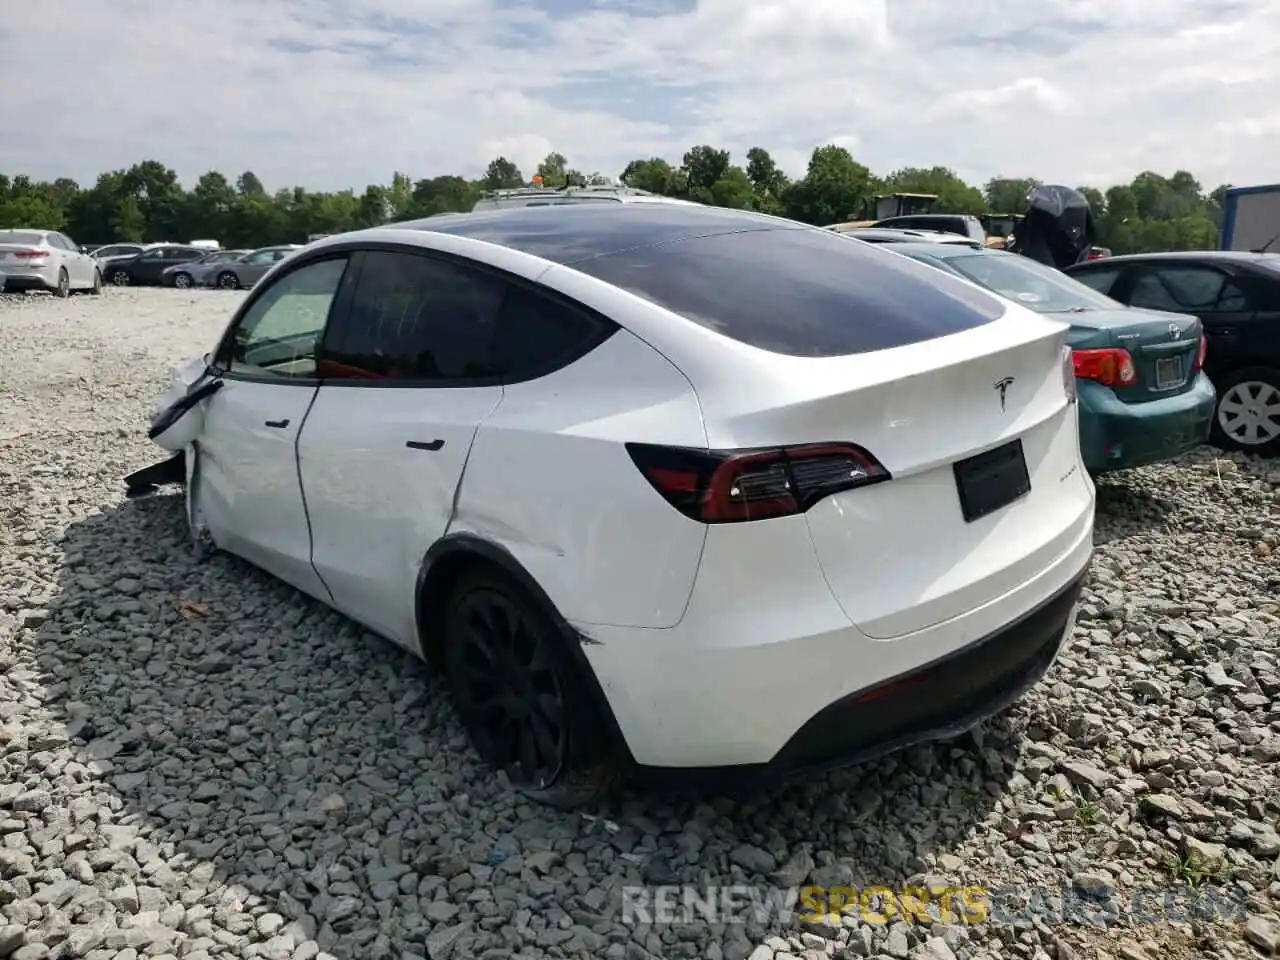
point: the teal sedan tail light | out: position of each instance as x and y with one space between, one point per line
1111 366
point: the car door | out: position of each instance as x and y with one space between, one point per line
1209 292
181 255
247 490
253 269
68 258
82 274
406 384
1257 342
147 268
59 255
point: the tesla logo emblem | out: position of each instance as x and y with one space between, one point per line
1002 387
1173 331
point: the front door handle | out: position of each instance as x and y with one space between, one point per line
424 444
277 424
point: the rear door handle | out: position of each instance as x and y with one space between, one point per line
277 424
424 444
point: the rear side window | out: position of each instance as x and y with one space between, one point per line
536 334
1101 279
799 292
1184 289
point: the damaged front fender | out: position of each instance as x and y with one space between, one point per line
175 424
178 426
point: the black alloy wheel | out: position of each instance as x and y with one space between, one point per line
507 684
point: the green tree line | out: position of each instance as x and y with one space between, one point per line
148 203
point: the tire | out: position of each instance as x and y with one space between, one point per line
489 611
1241 420
228 281
63 289
182 281
96 289
120 278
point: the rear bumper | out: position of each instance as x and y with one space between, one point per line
942 699
937 701
751 694
16 279
1115 435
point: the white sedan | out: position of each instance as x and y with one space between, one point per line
45 260
663 489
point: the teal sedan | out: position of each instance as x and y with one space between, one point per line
1143 393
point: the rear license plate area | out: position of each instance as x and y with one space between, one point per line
1169 373
991 480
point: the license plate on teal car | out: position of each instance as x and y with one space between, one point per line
1169 373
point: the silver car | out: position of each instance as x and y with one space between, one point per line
250 268
46 260
195 273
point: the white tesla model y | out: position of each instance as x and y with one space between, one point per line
661 488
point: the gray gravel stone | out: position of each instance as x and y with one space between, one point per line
196 762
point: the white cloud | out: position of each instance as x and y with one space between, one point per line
333 94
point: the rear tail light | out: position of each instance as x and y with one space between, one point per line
1112 367
728 486
30 254
1201 353
1069 375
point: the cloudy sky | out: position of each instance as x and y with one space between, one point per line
337 93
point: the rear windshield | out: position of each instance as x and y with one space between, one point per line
21 236
1031 283
799 292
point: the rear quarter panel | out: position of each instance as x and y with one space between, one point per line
549 478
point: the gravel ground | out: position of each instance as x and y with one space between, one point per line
196 761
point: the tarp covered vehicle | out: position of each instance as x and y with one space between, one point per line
1058 229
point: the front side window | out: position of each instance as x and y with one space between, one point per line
262 256
152 255
279 334
418 318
